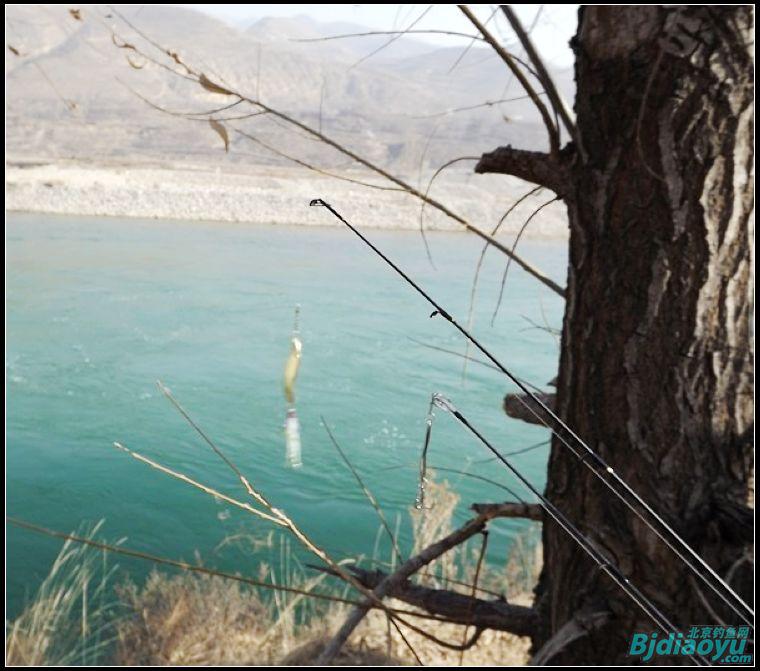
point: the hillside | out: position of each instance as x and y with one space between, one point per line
68 94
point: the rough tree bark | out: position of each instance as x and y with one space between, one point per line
656 362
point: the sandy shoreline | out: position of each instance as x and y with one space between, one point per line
263 194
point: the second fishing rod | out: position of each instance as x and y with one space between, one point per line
589 457
603 563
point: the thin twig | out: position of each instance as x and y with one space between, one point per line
205 488
328 38
487 103
311 167
455 353
514 246
475 476
478 267
510 61
469 46
167 52
483 547
393 39
405 640
427 191
541 327
370 496
543 74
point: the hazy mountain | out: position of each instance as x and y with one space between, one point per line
73 93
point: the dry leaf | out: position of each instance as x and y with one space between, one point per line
219 128
76 13
136 66
207 84
124 45
14 51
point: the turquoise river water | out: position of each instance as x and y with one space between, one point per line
98 309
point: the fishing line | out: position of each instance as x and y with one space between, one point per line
600 467
514 453
419 502
601 560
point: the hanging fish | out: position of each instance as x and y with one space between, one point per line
291 369
292 426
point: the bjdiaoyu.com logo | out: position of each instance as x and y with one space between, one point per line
721 645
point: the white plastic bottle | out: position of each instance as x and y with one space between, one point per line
292 439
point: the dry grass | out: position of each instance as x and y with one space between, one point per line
203 620
69 620
189 619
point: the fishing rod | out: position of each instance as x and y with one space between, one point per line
419 502
604 564
439 401
600 467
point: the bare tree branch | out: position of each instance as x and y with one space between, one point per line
522 621
521 406
532 166
371 599
392 582
528 511
510 61
314 168
454 606
543 74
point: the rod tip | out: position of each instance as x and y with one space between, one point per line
317 201
440 401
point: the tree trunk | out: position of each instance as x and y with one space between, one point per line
656 363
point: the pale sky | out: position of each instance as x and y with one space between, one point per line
555 26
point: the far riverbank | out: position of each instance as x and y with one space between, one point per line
265 195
